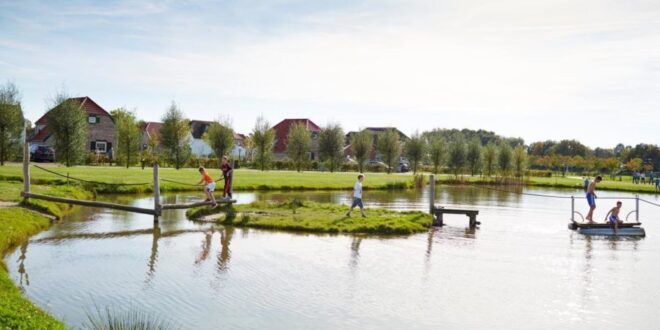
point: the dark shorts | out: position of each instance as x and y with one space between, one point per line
591 199
357 202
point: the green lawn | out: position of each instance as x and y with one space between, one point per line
244 179
315 217
16 312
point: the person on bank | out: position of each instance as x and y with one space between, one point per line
357 197
591 198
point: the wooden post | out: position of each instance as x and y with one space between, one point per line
637 208
26 163
156 192
431 193
572 208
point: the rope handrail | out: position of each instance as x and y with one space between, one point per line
90 181
185 183
553 196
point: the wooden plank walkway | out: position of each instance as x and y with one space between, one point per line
438 213
90 203
195 204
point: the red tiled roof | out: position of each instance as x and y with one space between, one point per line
282 130
152 128
86 104
41 136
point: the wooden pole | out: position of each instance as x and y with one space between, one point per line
90 203
26 163
156 192
431 193
572 208
637 208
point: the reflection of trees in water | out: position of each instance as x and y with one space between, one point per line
474 194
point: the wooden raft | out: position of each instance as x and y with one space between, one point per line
438 213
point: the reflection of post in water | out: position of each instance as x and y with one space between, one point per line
355 251
225 252
206 247
154 250
21 266
586 285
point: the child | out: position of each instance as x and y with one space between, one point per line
227 174
613 214
357 197
210 186
591 198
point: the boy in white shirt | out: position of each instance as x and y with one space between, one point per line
357 197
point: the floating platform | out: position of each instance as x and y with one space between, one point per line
605 229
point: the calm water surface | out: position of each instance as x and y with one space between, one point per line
522 269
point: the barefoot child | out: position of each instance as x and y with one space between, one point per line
209 186
613 214
357 197
591 198
227 174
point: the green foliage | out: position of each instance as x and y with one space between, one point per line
437 152
473 156
175 136
504 156
16 312
331 146
68 123
389 147
490 159
220 137
483 136
11 121
299 141
415 150
519 161
131 319
263 141
315 217
128 136
361 144
457 154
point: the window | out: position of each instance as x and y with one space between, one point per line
93 119
101 146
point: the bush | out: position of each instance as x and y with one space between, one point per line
348 167
374 168
539 173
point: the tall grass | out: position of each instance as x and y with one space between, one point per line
133 319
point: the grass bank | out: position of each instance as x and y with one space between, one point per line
244 179
11 191
16 312
314 217
571 182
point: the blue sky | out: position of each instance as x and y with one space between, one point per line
539 69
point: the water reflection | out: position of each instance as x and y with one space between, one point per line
153 257
225 252
24 277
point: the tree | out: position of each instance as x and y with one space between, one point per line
220 136
634 164
361 143
331 145
263 141
299 141
473 156
571 148
11 120
519 161
437 152
128 136
489 159
504 159
152 154
612 165
415 150
389 147
457 152
175 136
68 123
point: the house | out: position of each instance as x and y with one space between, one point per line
375 131
149 130
282 131
100 127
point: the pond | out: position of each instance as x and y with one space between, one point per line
521 269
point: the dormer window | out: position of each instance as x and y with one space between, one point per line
93 119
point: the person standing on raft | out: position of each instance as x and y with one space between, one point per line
591 198
227 174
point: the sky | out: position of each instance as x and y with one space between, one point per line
542 69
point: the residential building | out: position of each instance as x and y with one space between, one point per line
282 131
101 130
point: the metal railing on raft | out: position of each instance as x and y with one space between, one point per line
636 210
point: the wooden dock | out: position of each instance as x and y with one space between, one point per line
438 212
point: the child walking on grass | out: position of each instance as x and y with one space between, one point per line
357 197
209 186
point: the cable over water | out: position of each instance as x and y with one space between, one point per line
90 181
185 183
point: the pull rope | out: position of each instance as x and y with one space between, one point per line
90 181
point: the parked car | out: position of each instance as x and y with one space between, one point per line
376 163
42 153
404 167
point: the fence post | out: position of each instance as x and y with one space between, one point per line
26 163
572 208
157 206
431 193
637 207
